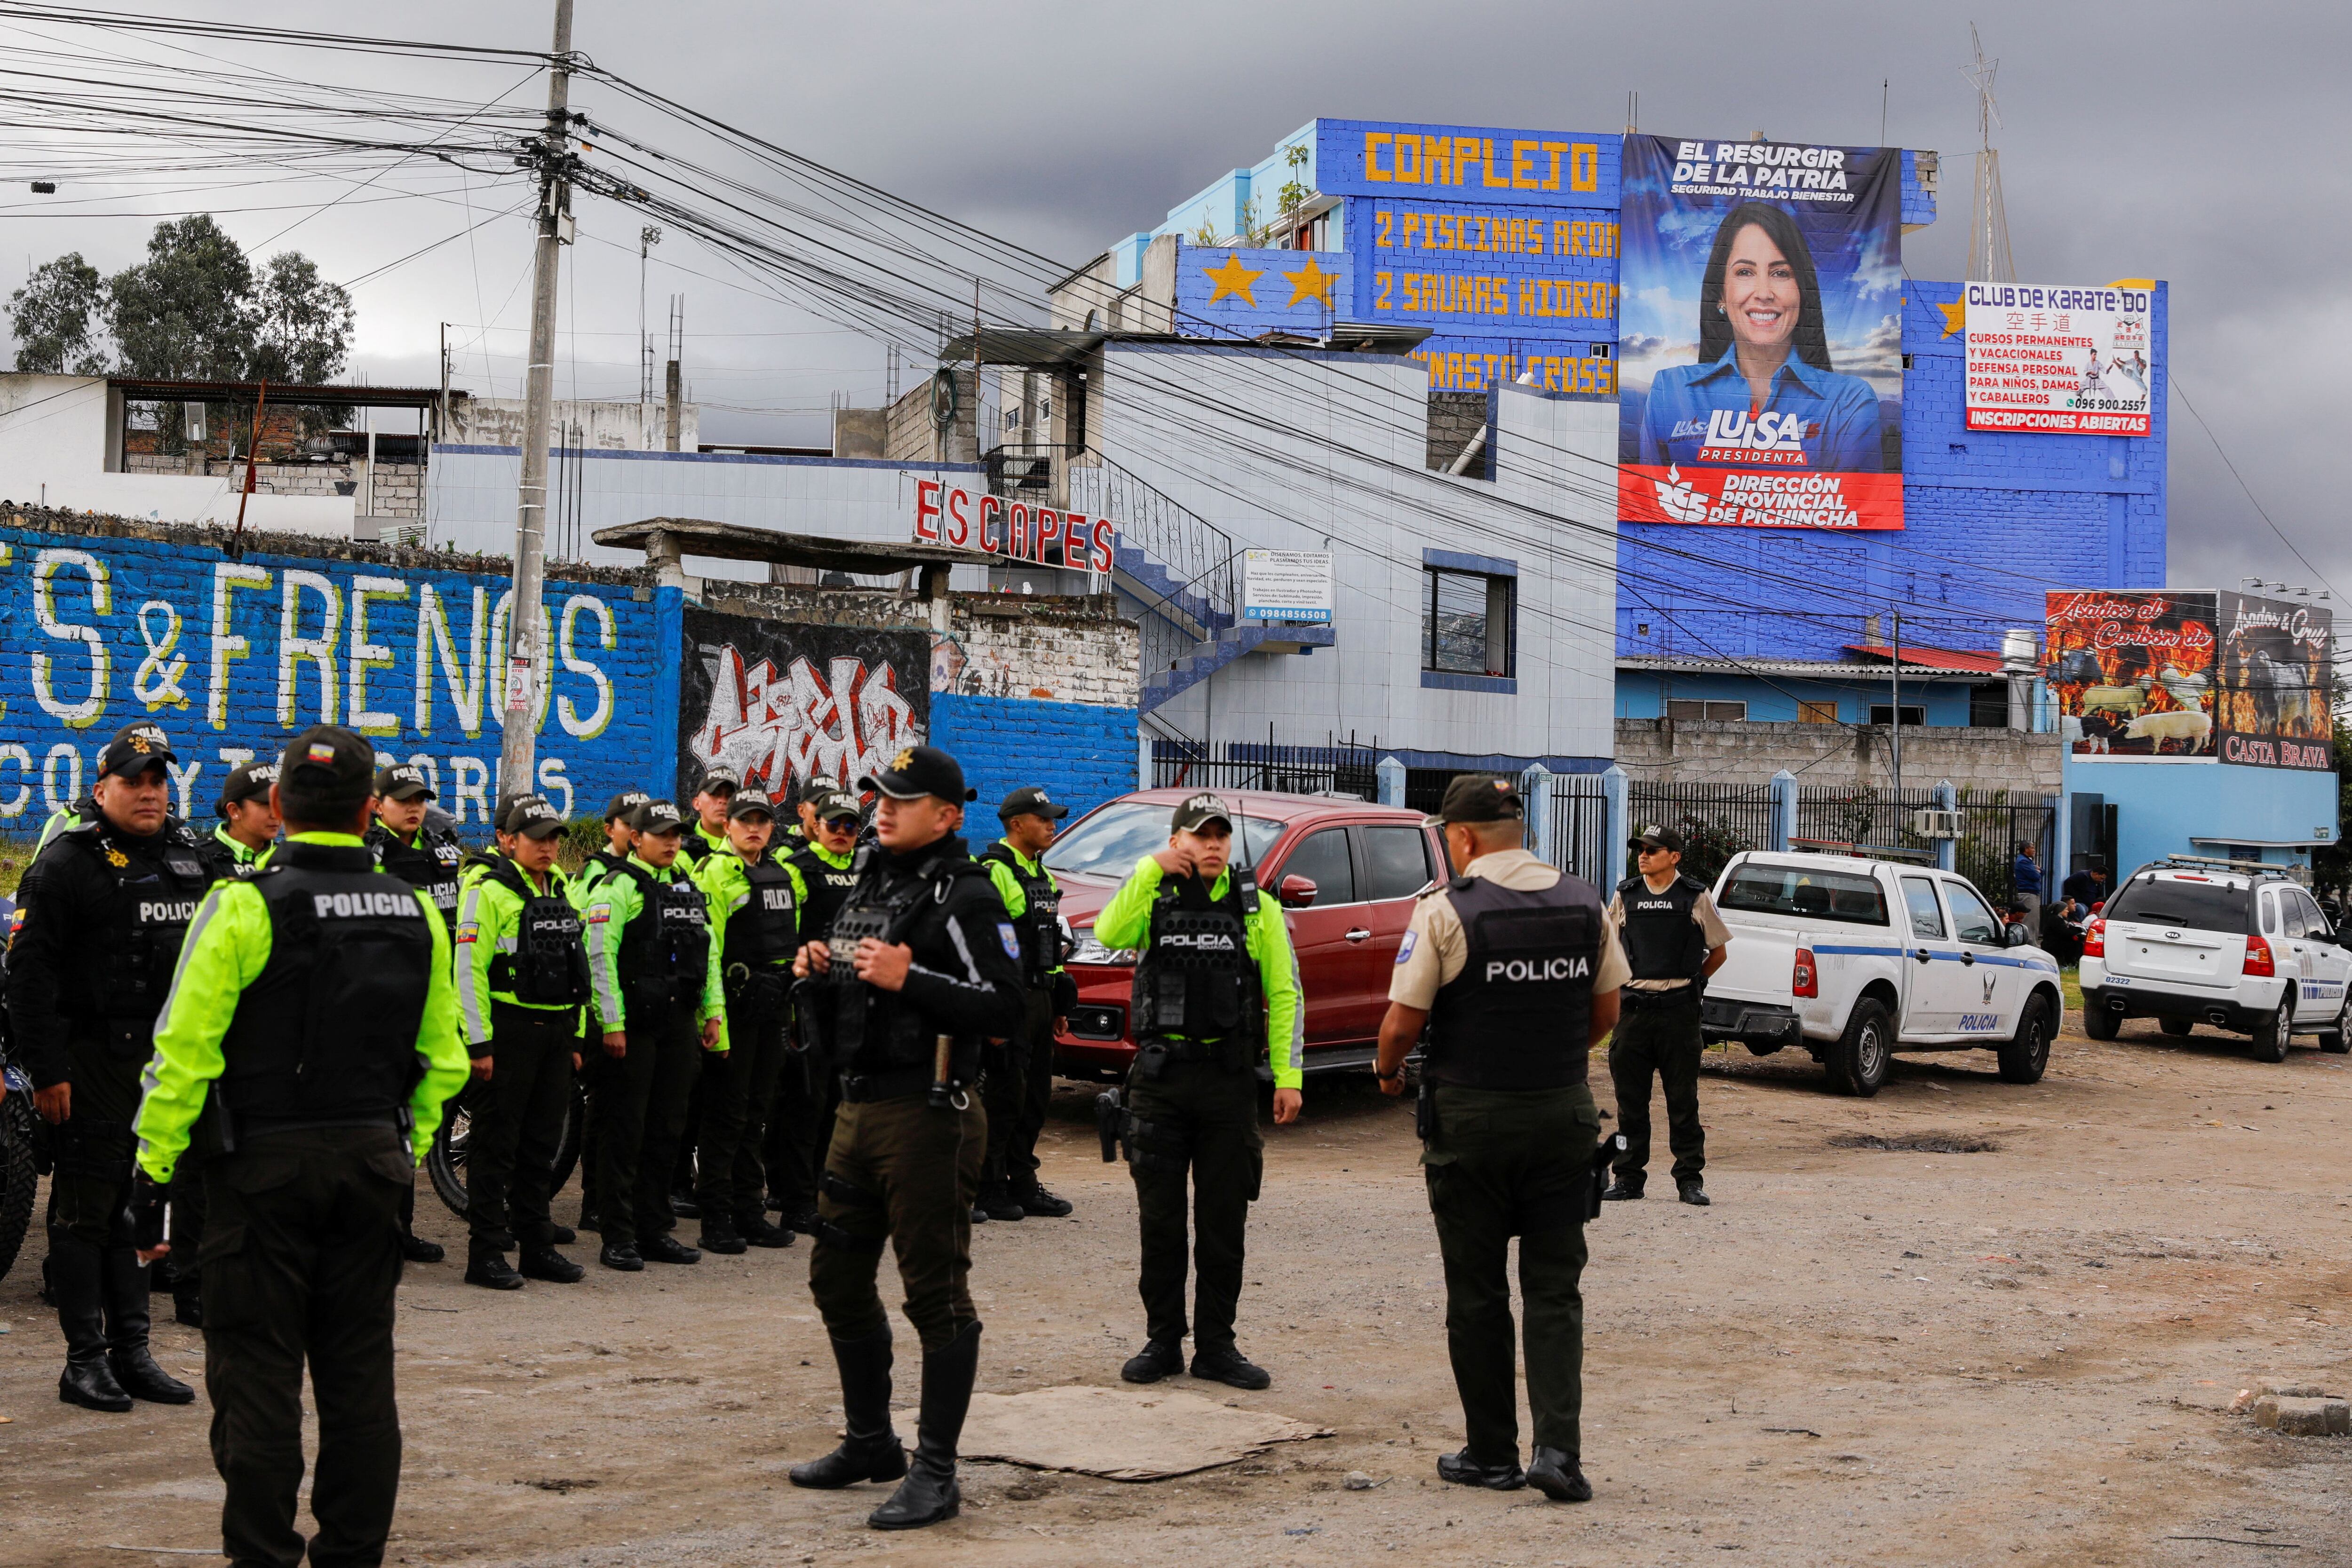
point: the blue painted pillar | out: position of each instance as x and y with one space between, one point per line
1948 850
1390 773
1784 808
1534 790
1143 768
1615 791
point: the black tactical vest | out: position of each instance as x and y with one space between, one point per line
549 966
327 1032
1040 925
158 884
596 868
430 865
1519 1016
1661 941
665 950
828 888
764 931
876 1030
1196 979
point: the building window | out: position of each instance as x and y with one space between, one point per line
1989 706
1682 708
1913 716
1466 623
1817 713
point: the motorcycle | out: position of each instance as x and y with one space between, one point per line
24 1160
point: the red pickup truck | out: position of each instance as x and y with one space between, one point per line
1345 873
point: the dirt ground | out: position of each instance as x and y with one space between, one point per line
2022 1355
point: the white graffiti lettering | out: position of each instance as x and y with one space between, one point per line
775 727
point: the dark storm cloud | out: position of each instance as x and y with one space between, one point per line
2186 141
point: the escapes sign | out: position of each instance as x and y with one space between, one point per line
975 520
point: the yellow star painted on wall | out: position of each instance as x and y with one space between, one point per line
1311 282
1232 278
1956 316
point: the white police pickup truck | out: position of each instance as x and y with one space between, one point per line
1855 959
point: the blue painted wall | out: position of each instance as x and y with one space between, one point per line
1641 693
1082 754
2166 808
234 658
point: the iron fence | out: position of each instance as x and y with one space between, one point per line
1580 827
1863 819
1258 764
1716 820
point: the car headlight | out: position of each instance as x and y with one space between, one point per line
1090 951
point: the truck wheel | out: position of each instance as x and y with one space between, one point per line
2023 1059
2269 1043
2099 1023
2176 1027
2337 1037
1857 1063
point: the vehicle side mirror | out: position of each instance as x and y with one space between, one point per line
1297 892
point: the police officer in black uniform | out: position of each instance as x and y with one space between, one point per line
1019 1082
1515 972
428 858
1674 939
921 967
248 821
101 914
309 1040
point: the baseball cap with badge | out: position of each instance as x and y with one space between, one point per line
751 802
719 781
1032 801
512 810
135 747
657 817
325 768
625 803
403 781
1657 838
534 819
830 802
1197 812
246 781
1479 798
918 771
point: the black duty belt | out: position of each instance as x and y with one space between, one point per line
1188 1050
1640 1001
857 1087
265 1126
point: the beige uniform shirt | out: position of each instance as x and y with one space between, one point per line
1703 915
1436 947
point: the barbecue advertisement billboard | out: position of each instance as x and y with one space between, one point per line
1760 325
2058 361
2133 674
2272 702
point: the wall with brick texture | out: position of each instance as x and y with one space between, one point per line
1083 753
104 622
1690 751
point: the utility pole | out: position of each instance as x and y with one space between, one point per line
1894 667
526 645
673 384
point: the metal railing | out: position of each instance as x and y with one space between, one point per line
1864 818
1716 820
1579 827
1197 556
1256 764
1033 471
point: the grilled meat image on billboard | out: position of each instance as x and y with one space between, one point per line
2275 683
2133 674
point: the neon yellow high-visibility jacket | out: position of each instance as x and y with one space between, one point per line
489 927
610 906
227 947
1126 921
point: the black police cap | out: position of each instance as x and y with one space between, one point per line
657 817
135 747
533 818
918 771
751 802
720 781
246 781
1481 797
1657 837
1030 802
625 803
513 810
403 781
329 757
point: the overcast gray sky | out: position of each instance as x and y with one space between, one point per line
2197 143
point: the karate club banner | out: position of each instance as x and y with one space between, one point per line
1760 335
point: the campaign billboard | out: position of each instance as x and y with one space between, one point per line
2274 682
1759 335
2133 674
2060 359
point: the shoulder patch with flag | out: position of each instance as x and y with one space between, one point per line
469 932
1405 947
1010 937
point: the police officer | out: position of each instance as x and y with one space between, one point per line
708 836
1674 939
620 838
755 928
1215 984
429 859
522 975
809 1090
309 1040
1515 971
100 915
1019 1081
248 824
656 978
922 966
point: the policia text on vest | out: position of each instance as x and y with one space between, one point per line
1216 988
1514 972
308 1043
920 967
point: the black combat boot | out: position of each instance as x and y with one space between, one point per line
487 1266
187 1306
1465 1472
929 1493
127 1357
1040 1202
719 1234
1624 1189
546 1263
759 1232
869 1449
73 1275
1159 1358
1224 1363
662 1247
417 1250
1557 1475
1693 1192
998 1203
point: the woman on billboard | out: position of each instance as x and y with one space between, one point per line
1762 389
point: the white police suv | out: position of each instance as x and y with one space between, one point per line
2234 945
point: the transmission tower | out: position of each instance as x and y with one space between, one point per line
1988 257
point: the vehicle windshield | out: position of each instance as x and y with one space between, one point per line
2199 906
1759 887
1110 843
